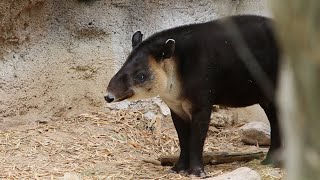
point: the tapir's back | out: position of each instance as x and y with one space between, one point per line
235 60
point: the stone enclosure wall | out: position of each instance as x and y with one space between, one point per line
57 56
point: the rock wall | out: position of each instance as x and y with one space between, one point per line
57 56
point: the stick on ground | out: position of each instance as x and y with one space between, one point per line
216 157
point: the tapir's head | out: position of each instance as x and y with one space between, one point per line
143 74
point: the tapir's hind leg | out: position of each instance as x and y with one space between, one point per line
275 147
183 130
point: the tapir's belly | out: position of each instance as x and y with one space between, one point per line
242 99
230 89
240 92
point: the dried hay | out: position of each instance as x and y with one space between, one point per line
101 145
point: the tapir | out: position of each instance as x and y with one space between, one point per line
231 61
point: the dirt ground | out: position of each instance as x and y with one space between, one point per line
108 145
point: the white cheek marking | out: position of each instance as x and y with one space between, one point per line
141 93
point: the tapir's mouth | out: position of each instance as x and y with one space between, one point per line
127 95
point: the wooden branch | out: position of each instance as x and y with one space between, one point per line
216 157
152 161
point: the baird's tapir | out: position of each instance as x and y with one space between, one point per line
232 61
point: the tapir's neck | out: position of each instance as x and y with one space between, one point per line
173 96
173 88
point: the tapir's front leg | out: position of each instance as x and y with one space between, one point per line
183 129
199 128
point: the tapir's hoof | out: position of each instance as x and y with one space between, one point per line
274 158
266 161
198 172
179 168
273 162
181 172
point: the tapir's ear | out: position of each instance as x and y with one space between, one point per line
169 48
136 38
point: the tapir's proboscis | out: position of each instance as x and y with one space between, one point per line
232 62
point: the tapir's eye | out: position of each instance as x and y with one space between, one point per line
141 77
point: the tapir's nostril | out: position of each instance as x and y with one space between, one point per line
109 99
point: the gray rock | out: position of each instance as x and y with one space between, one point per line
255 133
243 173
222 117
251 114
274 173
149 115
118 105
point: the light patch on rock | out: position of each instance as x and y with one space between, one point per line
71 176
118 105
164 109
243 173
273 173
255 133
149 115
154 123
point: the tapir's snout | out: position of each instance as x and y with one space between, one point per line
109 97
118 89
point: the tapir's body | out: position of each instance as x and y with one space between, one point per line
231 62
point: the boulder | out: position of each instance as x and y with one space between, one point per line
222 117
255 133
243 173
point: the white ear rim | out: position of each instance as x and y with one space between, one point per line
170 40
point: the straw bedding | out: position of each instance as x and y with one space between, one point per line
107 145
